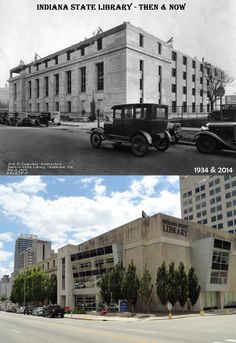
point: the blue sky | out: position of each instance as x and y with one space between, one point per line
204 29
73 209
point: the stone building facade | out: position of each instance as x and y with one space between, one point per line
122 65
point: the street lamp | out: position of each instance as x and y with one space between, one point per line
24 287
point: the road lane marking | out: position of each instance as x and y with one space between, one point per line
16 331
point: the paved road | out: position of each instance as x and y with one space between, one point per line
67 151
15 328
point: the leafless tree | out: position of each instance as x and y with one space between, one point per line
215 78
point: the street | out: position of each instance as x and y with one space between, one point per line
16 328
67 151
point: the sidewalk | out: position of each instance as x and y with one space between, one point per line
141 316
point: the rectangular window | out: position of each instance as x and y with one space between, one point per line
173 106
83 79
57 106
184 75
82 50
99 44
201 80
63 273
159 48
141 40
56 59
184 106
193 64
193 107
68 75
141 65
69 106
184 90
30 70
184 60
173 73
29 89
193 78
141 84
68 55
15 91
100 76
159 70
193 91
173 88
56 84
46 64
201 92
173 56
46 85
201 107
37 87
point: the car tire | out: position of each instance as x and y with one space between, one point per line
139 145
174 139
206 144
163 144
95 140
62 315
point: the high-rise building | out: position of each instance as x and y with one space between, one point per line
209 200
122 65
30 250
5 286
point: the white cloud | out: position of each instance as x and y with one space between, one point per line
4 254
6 270
77 218
6 237
30 184
61 179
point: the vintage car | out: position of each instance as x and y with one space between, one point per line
175 131
141 125
216 136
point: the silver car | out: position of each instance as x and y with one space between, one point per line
37 311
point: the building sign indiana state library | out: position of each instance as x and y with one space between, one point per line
174 227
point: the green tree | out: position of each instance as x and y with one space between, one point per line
131 285
146 287
40 281
162 284
183 285
193 286
105 288
172 284
52 289
116 282
30 286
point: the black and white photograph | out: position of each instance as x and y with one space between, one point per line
117 88
117 171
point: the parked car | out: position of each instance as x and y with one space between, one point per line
141 125
26 122
20 309
216 136
175 131
53 311
38 311
28 309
